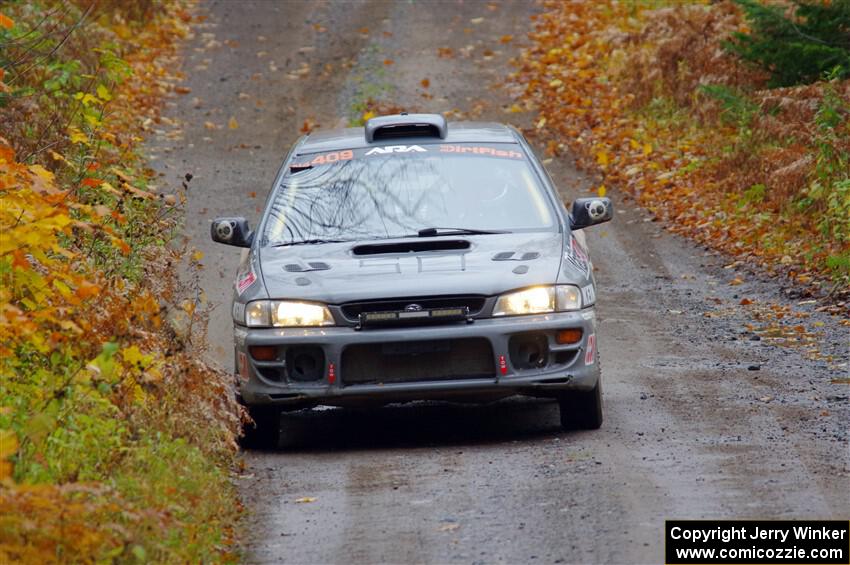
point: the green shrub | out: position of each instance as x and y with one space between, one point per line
799 49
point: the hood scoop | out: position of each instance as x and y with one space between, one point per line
411 246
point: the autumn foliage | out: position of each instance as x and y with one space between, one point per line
115 440
648 95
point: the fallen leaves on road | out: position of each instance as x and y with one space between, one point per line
305 500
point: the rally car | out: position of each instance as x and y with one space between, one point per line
412 259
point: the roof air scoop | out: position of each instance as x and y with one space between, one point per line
406 125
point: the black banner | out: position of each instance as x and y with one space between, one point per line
815 542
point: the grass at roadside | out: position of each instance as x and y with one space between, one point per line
115 441
646 94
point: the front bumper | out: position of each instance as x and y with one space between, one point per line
567 366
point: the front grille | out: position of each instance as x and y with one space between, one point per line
352 310
415 361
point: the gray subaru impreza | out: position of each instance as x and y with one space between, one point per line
413 259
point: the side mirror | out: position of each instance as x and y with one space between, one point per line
231 231
590 211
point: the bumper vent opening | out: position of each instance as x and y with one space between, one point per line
529 351
305 364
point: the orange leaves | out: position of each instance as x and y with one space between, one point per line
19 260
308 125
87 290
625 114
121 245
8 448
6 22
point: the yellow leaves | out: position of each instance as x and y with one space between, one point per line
556 83
232 123
188 306
647 149
58 157
42 173
601 191
368 115
63 289
541 123
602 158
76 136
134 357
197 255
103 93
87 99
305 500
70 326
8 443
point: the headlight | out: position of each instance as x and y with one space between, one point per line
286 313
539 300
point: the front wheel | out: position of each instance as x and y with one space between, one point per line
272 429
582 409
264 431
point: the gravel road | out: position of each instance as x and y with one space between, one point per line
703 418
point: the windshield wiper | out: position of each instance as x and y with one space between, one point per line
434 232
310 242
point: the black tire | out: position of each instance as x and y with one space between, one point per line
582 409
275 429
264 431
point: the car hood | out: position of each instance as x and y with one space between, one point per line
338 272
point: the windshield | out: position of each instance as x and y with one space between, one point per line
395 191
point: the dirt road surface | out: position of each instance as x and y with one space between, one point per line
692 429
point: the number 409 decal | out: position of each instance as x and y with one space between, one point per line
327 158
